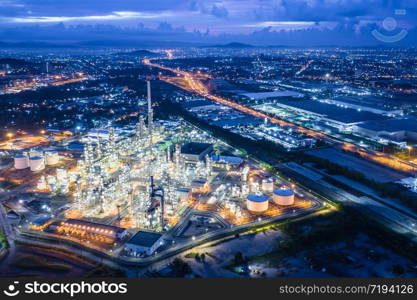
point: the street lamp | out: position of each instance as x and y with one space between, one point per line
409 148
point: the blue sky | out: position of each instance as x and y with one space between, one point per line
235 19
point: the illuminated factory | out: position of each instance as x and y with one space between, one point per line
91 231
148 179
141 181
36 160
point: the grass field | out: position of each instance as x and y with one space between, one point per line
31 262
3 241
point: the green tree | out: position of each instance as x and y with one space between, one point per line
180 267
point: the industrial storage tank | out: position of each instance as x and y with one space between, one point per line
284 197
268 185
36 163
21 161
52 157
35 153
257 203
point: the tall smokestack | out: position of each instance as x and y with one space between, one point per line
148 83
150 112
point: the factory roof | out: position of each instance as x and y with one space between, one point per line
51 151
99 130
41 221
228 159
392 125
199 181
96 225
75 146
36 158
257 198
283 192
368 101
249 120
12 214
332 112
144 238
195 148
196 103
265 95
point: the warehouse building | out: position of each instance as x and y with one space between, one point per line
371 105
392 130
91 231
342 118
144 242
195 152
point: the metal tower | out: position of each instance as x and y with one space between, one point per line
150 111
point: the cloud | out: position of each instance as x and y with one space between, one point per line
115 15
222 17
218 10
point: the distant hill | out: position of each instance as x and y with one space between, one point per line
230 45
41 45
139 53
33 45
13 62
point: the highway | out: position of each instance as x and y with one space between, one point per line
385 215
192 82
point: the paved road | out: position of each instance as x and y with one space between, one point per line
389 217
107 258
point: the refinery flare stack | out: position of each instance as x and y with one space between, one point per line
150 110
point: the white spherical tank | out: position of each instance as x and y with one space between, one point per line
21 162
257 203
284 197
268 185
36 163
52 157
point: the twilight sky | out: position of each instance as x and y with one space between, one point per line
242 20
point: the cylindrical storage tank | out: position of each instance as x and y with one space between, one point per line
21 161
268 185
42 185
284 197
35 153
257 203
52 157
36 163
